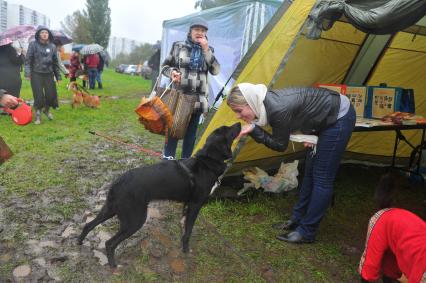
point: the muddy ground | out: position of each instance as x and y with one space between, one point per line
39 230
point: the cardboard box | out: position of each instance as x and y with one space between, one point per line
383 101
336 87
358 97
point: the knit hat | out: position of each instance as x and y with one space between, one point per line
199 22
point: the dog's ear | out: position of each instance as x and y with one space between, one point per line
385 191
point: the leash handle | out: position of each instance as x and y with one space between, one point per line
9 110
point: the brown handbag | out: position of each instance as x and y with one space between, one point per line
181 106
5 152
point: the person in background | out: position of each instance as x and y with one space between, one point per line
92 62
41 66
395 248
74 65
188 65
154 64
100 68
317 111
11 61
62 67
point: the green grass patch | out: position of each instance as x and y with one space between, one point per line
114 84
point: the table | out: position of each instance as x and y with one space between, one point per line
400 137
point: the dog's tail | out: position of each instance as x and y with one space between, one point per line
385 191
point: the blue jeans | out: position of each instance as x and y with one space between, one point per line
99 77
92 77
188 140
320 171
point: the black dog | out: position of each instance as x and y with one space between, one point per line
189 181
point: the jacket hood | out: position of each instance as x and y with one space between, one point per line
39 29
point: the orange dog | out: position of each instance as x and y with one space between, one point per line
82 96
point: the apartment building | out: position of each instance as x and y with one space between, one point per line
21 15
3 15
119 45
14 15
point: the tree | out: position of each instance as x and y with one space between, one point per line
76 26
207 4
99 16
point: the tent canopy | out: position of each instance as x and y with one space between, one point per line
283 56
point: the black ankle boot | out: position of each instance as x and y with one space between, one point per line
99 85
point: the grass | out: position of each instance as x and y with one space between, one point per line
114 85
58 164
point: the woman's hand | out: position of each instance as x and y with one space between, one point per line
246 129
8 101
204 43
308 144
176 76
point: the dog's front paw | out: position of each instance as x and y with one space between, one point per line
80 241
185 248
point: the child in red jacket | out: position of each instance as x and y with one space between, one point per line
396 242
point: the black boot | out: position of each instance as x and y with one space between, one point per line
99 85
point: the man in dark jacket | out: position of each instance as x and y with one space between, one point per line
154 64
100 68
41 64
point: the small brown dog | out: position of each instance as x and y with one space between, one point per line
82 96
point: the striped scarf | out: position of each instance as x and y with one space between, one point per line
197 58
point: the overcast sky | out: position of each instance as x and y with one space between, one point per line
140 20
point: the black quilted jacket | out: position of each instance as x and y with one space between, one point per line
42 58
309 110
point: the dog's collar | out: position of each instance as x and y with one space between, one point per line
229 163
188 172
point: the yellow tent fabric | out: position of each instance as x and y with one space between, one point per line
327 60
403 65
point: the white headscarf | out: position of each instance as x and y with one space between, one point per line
254 95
